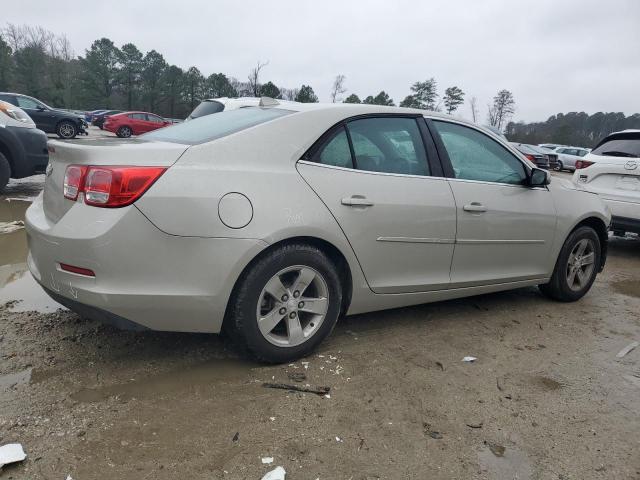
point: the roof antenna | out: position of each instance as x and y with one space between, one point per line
268 102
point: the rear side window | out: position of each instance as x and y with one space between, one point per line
475 156
207 108
212 127
625 145
385 144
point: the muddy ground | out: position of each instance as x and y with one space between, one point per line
546 399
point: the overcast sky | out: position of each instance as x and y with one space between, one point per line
554 55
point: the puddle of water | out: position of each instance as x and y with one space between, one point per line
12 379
627 287
16 283
205 375
509 463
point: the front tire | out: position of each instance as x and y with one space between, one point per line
5 172
286 304
66 130
576 267
124 132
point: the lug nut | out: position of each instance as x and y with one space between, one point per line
301 305
292 315
283 311
285 297
296 294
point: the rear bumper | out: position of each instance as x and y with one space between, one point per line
142 275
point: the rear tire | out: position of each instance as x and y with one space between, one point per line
559 167
66 130
576 267
285 305
124 132
5 172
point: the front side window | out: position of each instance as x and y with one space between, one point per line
475 156
137 116
154 118
26 102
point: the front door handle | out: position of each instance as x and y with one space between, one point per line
476 207
356 201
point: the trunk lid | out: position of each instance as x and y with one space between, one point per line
107 151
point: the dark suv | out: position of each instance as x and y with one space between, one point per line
50 120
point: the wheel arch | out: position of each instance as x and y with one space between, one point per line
603 234
333 252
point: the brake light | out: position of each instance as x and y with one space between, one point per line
583 164
73 181
530 157
110 187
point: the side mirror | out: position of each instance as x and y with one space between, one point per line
539 178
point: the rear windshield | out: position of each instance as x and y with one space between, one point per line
525 149
212 127
207 108
620 147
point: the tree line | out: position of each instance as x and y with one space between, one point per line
574 128
42 64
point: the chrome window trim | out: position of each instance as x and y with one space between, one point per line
417 240
369 172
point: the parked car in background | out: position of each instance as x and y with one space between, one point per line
568 156
23 148
539 157
550 146
88 116
134 123
276 220
217 105
99 118
612 170
47 119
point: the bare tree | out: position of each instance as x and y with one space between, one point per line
289 93
502 109
254 78
338 88
473 103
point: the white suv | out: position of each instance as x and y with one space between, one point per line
612 170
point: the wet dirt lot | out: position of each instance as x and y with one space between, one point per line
546 399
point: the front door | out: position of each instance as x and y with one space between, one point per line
39 113
375 177
505 228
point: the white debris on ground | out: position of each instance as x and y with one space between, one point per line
627 349
277 473
11 453
469 359
9 227
267 460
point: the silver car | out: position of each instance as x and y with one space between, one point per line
271 222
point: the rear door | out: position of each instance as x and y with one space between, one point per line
505 229
385 190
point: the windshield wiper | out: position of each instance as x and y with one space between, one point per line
617 153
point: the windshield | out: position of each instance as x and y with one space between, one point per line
620 147
207 107
212 127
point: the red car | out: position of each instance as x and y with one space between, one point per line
133 123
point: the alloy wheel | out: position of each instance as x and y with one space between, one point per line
292 306
581 264
66 130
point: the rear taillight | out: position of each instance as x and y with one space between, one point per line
73 181
109 186
530 157
583 164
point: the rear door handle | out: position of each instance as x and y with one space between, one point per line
356 201
474 207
